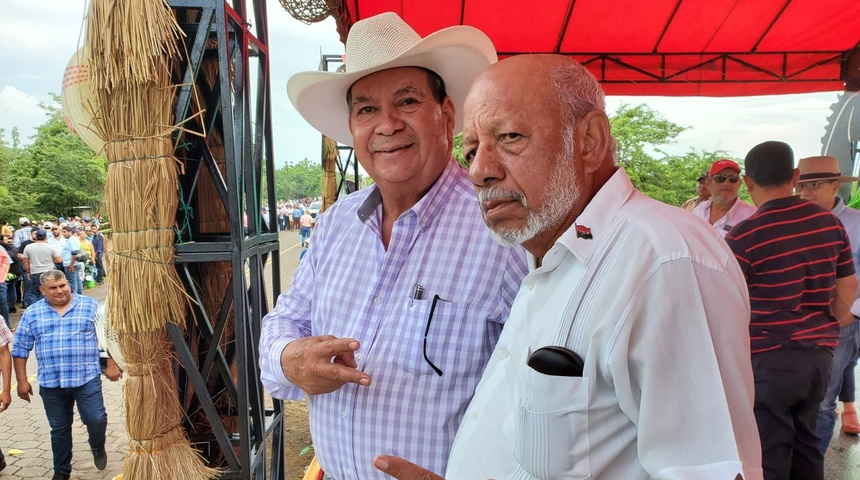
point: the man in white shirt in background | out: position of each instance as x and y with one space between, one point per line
642 309
819 183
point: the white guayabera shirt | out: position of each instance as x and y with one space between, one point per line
655 303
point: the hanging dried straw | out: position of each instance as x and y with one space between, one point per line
131 45
159 443
330 156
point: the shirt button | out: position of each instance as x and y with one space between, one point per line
343 415
475 415
504 353
358 356
377 300
349 471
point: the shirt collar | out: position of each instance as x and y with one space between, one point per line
592 225
839 207
428 207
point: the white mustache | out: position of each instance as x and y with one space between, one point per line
492 193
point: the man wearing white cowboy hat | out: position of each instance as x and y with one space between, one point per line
819 183
395 309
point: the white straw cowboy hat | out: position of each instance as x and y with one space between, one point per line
457 54
820 169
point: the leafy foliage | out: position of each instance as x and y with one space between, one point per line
49 177
639 131
299 180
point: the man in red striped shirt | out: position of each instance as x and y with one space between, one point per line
797 261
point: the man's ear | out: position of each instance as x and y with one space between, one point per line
749 183
795 177
448 111
592 136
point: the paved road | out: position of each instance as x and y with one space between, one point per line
24 426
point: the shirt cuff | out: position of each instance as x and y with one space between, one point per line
272 373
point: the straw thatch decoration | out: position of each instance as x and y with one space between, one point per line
309 11
330 156
131 45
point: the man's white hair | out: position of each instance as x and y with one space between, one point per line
579 93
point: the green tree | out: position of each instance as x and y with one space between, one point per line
302 179
458 149
639 130
55 173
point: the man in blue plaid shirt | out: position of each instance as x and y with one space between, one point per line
62 329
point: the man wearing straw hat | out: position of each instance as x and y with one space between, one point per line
61 327
395 309
819 183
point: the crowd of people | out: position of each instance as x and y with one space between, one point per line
74 246
44 265
564 325
289 214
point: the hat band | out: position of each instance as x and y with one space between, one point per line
816 176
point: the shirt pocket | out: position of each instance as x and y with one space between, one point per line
552 426
457 338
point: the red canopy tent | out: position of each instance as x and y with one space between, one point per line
662 47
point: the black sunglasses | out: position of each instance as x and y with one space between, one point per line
723 178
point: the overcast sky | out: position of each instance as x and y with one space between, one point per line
38 37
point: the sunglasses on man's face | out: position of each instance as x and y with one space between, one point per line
723 178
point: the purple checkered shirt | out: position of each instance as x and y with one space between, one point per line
348 285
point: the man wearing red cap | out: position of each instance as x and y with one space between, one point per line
724 209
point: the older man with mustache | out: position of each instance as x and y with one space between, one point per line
629 310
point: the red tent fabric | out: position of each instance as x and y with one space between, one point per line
661 47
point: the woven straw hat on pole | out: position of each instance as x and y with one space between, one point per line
80 104
309 11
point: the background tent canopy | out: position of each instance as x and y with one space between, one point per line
662 47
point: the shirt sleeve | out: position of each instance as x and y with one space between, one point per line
687 337
6 336
23 338
288 321
845 264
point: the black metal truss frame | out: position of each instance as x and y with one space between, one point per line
612 66
223 30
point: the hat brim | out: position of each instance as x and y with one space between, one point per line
80 100
842 178
457 54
